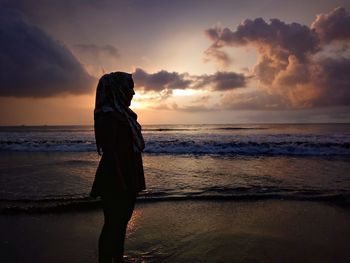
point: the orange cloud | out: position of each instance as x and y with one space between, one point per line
163 80
293 68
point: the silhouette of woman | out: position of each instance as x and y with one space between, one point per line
119 176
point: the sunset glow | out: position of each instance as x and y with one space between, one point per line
200 60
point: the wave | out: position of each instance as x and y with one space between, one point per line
170 129
74 129
66 204
38 145
289 148
203 128
302 148
45 129
240 128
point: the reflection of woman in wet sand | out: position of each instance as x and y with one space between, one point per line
119 176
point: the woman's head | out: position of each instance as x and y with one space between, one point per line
114 91
114 94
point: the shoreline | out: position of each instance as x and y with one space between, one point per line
28 207
189 231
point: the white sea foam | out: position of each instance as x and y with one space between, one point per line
191 139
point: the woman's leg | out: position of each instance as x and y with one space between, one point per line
117 213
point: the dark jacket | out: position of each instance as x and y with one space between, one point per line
120 168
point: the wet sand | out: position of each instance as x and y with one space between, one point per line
188 231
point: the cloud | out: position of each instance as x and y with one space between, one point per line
253 100
186 108
202 99
97 59
161 80
35 65
294 68
334 25
164 106
276 38
162 83
166 81
222 57
98 51
333 82
222 81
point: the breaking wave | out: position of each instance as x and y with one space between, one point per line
180 146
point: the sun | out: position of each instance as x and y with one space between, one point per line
139 101
137 105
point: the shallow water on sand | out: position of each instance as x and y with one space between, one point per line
57 179
188 231
263 231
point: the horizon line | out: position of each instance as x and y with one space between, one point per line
149 124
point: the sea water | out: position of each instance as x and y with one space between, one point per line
49 168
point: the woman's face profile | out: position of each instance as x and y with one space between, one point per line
130 93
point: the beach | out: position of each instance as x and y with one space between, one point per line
225 126
187 231
214 193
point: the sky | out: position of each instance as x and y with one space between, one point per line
193 62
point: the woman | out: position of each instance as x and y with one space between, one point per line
119 176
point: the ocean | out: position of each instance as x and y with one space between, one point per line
51 168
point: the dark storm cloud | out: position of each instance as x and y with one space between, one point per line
35 65
333 82
221 81
294 69
295 39
160 80
164 80
334 25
